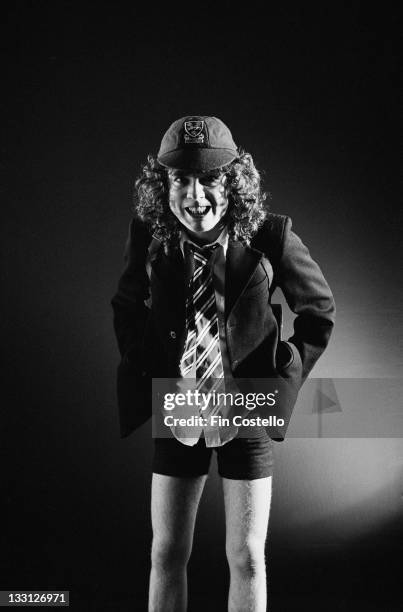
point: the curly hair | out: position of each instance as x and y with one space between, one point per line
247 208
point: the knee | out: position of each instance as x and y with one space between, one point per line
169 555
246 557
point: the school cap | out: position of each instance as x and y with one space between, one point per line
197 143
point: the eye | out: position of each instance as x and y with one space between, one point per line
177 180
210 180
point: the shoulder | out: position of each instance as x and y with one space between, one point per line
274 224
138 239
139 229
270 236
140 234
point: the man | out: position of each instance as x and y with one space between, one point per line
203 258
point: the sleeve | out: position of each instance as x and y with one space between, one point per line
130 311
308 296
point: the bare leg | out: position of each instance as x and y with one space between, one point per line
247 508
174 504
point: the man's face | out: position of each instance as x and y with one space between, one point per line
199 201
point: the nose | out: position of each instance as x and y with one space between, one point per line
195 189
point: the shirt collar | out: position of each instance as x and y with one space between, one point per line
222 240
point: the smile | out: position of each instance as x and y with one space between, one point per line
198 211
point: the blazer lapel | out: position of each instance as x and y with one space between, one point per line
241 263
169 269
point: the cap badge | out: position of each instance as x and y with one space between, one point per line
194 132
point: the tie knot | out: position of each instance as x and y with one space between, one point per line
204 252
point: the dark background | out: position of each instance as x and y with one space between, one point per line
88 90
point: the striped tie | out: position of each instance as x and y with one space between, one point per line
202 356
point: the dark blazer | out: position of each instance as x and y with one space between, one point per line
149 313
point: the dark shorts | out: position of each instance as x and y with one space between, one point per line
244 458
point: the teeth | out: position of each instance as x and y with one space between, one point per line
198 209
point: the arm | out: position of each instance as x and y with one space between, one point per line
309 297
130 312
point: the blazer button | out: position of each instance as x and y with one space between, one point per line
172 334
